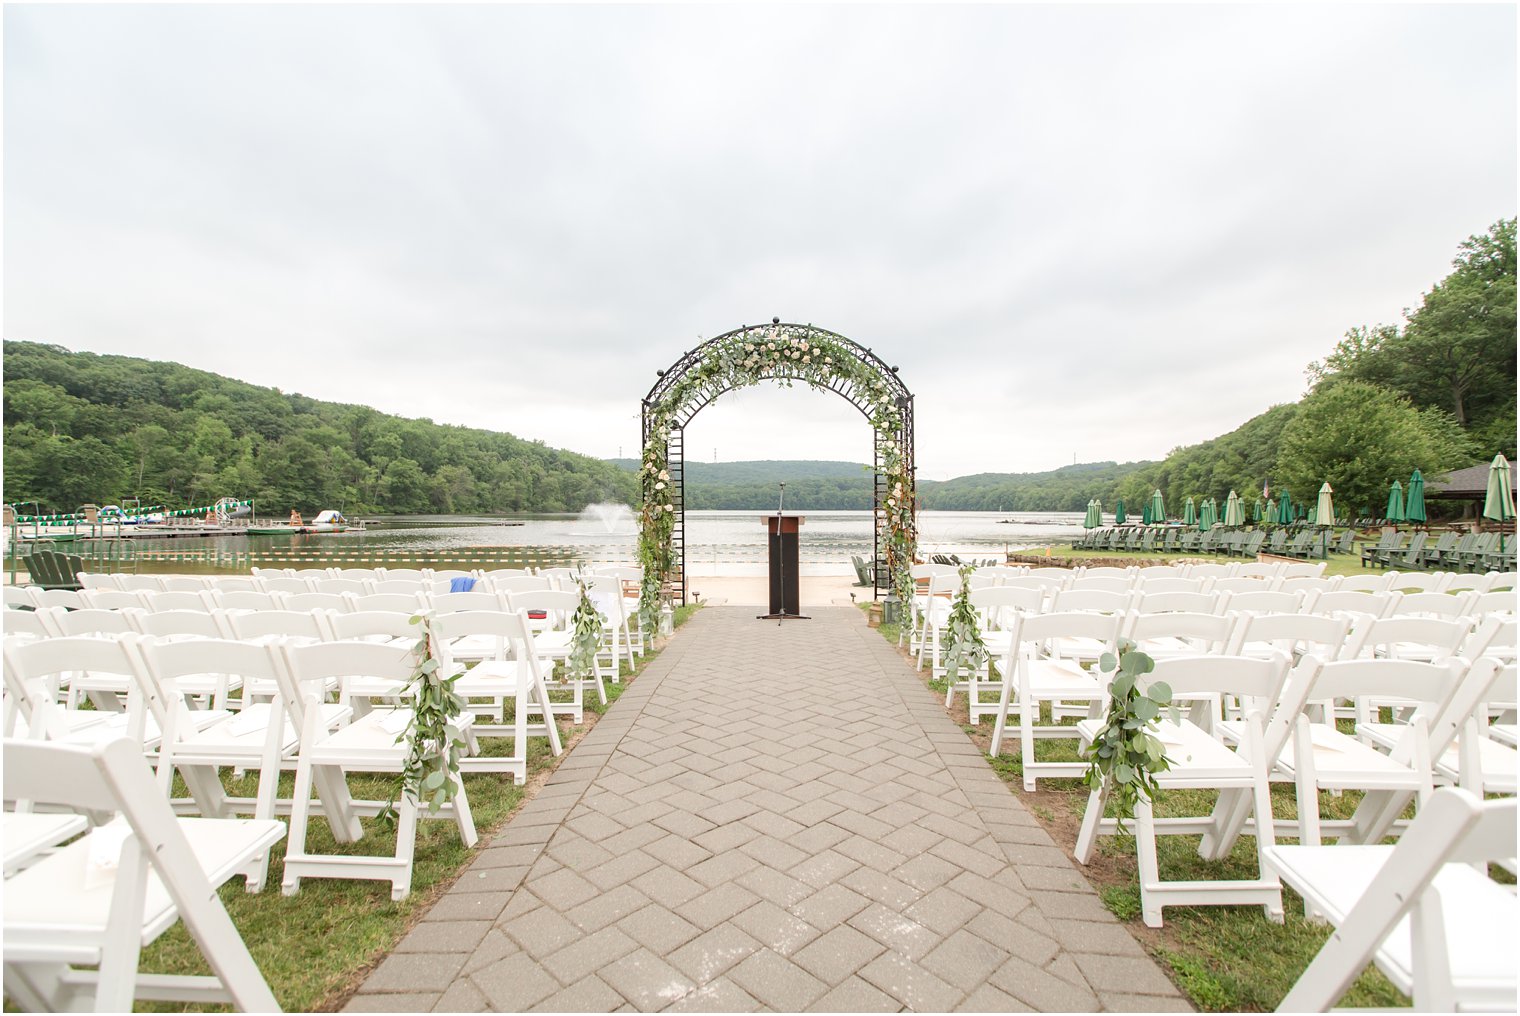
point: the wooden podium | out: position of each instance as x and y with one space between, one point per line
782 532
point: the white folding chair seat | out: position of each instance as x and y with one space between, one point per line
58 921
1037 678
1200 761
1424 911
368 744
1172 635
29 835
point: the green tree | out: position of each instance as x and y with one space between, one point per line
1359 438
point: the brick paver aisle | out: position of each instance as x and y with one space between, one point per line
772 817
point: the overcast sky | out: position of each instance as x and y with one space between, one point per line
1083 232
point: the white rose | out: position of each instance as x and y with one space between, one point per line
670 507
659 486
664 475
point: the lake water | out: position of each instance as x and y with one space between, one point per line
718 542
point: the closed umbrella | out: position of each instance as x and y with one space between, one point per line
1395 510
1206 514
1145 513
1414 508
1091 521
1119 512
1324 510
1284 508
1234 511
1257 511
1189 514
1499 505
1158 507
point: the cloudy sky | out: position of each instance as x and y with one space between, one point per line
1087 232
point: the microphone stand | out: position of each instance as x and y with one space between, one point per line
781 569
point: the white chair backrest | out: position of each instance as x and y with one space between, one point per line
271 573
1337 601
999 573
339 586
401 574
402 603
1162 571
449 574
184 583
1364 583
1494 635
311 574
1309 586
1263 601
24 596
69 599
27 622
140 583
1034 632
111 599
303 680
317 601
1211 632
357 574
560 604
1102 600
509 628
1501 580
1167 584
405 586
1106 583
1258 570
1399 635
447 603
284 584
1416 582
1259 681
1446 605
233 583
1048 585
1107 571
1458 581
248 599
997 604
1239 584
94 621
34 667
201 623
1303 569
517 583
268 624
1211 570
1191 603
503 573
175 601
369 624
1292 634
97 580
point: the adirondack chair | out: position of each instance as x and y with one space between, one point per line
1430 557
1389 541
1148 539
1190 541
1172 542
1277 542
1485 544
1208 542
1500 560
1405 557
1301 545
863 571
1347 544
1446 560
1132 540
51 570
1252 545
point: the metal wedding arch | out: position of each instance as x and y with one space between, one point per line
786 354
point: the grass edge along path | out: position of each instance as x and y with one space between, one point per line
1222 958
315 948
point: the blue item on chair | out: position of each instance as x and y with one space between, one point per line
461 585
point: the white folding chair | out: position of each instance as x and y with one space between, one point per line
933 587
232 584
1364 583
1105 571
1105 583
1030 670
1188 603
1261 635
105 690
368 744
248 600
357 574
22 597
553 641
338 587
1263 601
1502 602
1416 582
1199 760
306 602
283 584
68 599
111 599
1351 604
403 586
996 607
61 916
184 583
413 575
1179 633
34 669
180 600
140 583
1447 606
401 603
1424 911
1167 584
606 594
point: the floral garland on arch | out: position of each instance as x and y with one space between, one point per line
785 354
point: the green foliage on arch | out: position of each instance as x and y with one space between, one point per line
785 354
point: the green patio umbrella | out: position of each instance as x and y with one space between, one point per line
1499 505
1234 511
1284 508
1206 514
1119 512
1257 511
1414 508
1324 511
1158 507
1189 514
1091 521
1395 510
1145 513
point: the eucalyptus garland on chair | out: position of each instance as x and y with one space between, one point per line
964 644
430 775
1126 755
585 640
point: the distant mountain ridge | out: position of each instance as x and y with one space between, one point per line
823 485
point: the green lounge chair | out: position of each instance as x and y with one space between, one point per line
1172 543
52 570
1278 542
1347 544
1190 539
1388 543
1253 541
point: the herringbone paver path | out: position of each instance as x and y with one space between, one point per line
771 817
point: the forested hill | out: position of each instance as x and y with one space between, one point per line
82 427
810 485
818 486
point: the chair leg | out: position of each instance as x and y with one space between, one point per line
123 940
1092 819
1150 870
1001 723
406 846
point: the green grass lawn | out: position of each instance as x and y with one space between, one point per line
314 947
1223 958
1335 564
